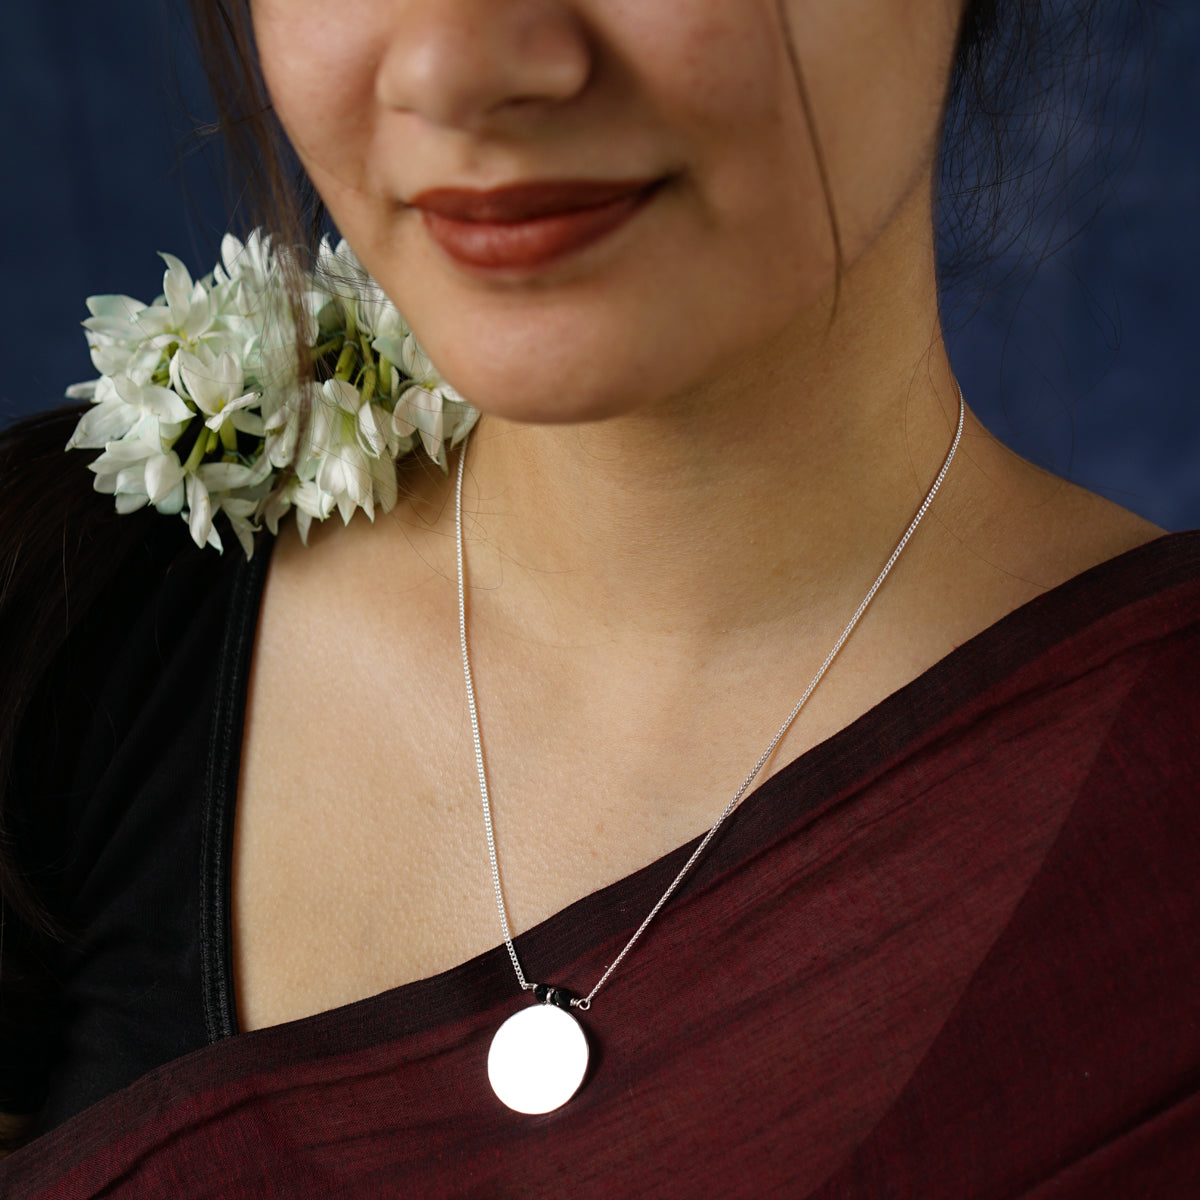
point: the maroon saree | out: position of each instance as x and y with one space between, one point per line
953 953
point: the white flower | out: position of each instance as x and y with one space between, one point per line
240 514
249 264
200 514
164 482
349 432
419 410
339 273
200 410
116 339
190 315
427 405
283 428
307 499
137 471
217 387
110 417
378 317
123 408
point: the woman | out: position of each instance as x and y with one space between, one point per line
680 256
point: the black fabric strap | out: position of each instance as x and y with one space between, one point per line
220 794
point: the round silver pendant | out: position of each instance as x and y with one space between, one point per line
538 1059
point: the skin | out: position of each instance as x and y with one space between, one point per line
692 464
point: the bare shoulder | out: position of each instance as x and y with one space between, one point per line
1037 528
1006 532
1081 529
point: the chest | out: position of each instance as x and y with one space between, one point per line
360 856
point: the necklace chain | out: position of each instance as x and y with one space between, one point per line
585 1002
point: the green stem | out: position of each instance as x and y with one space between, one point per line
198 449
346 362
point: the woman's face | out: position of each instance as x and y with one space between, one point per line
693 230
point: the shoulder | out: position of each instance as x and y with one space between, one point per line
1155 735
1135 614
1110 659
59 539
106 623
1091 681
62 548
90 605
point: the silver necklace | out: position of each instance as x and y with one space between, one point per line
539 1056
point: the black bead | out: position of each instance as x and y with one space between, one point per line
559 997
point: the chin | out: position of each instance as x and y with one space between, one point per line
540 397
547 376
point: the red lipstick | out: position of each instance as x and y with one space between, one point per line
528 225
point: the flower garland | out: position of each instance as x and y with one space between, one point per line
200 408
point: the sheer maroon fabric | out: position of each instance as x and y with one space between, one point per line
950 953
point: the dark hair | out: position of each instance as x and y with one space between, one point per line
1027 136
61 543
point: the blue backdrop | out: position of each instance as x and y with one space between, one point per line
1085 368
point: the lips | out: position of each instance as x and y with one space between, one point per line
527 226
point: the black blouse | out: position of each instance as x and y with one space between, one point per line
124 782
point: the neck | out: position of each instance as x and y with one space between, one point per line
782 485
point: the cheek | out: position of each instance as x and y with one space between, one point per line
875 72
318 61
715 80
